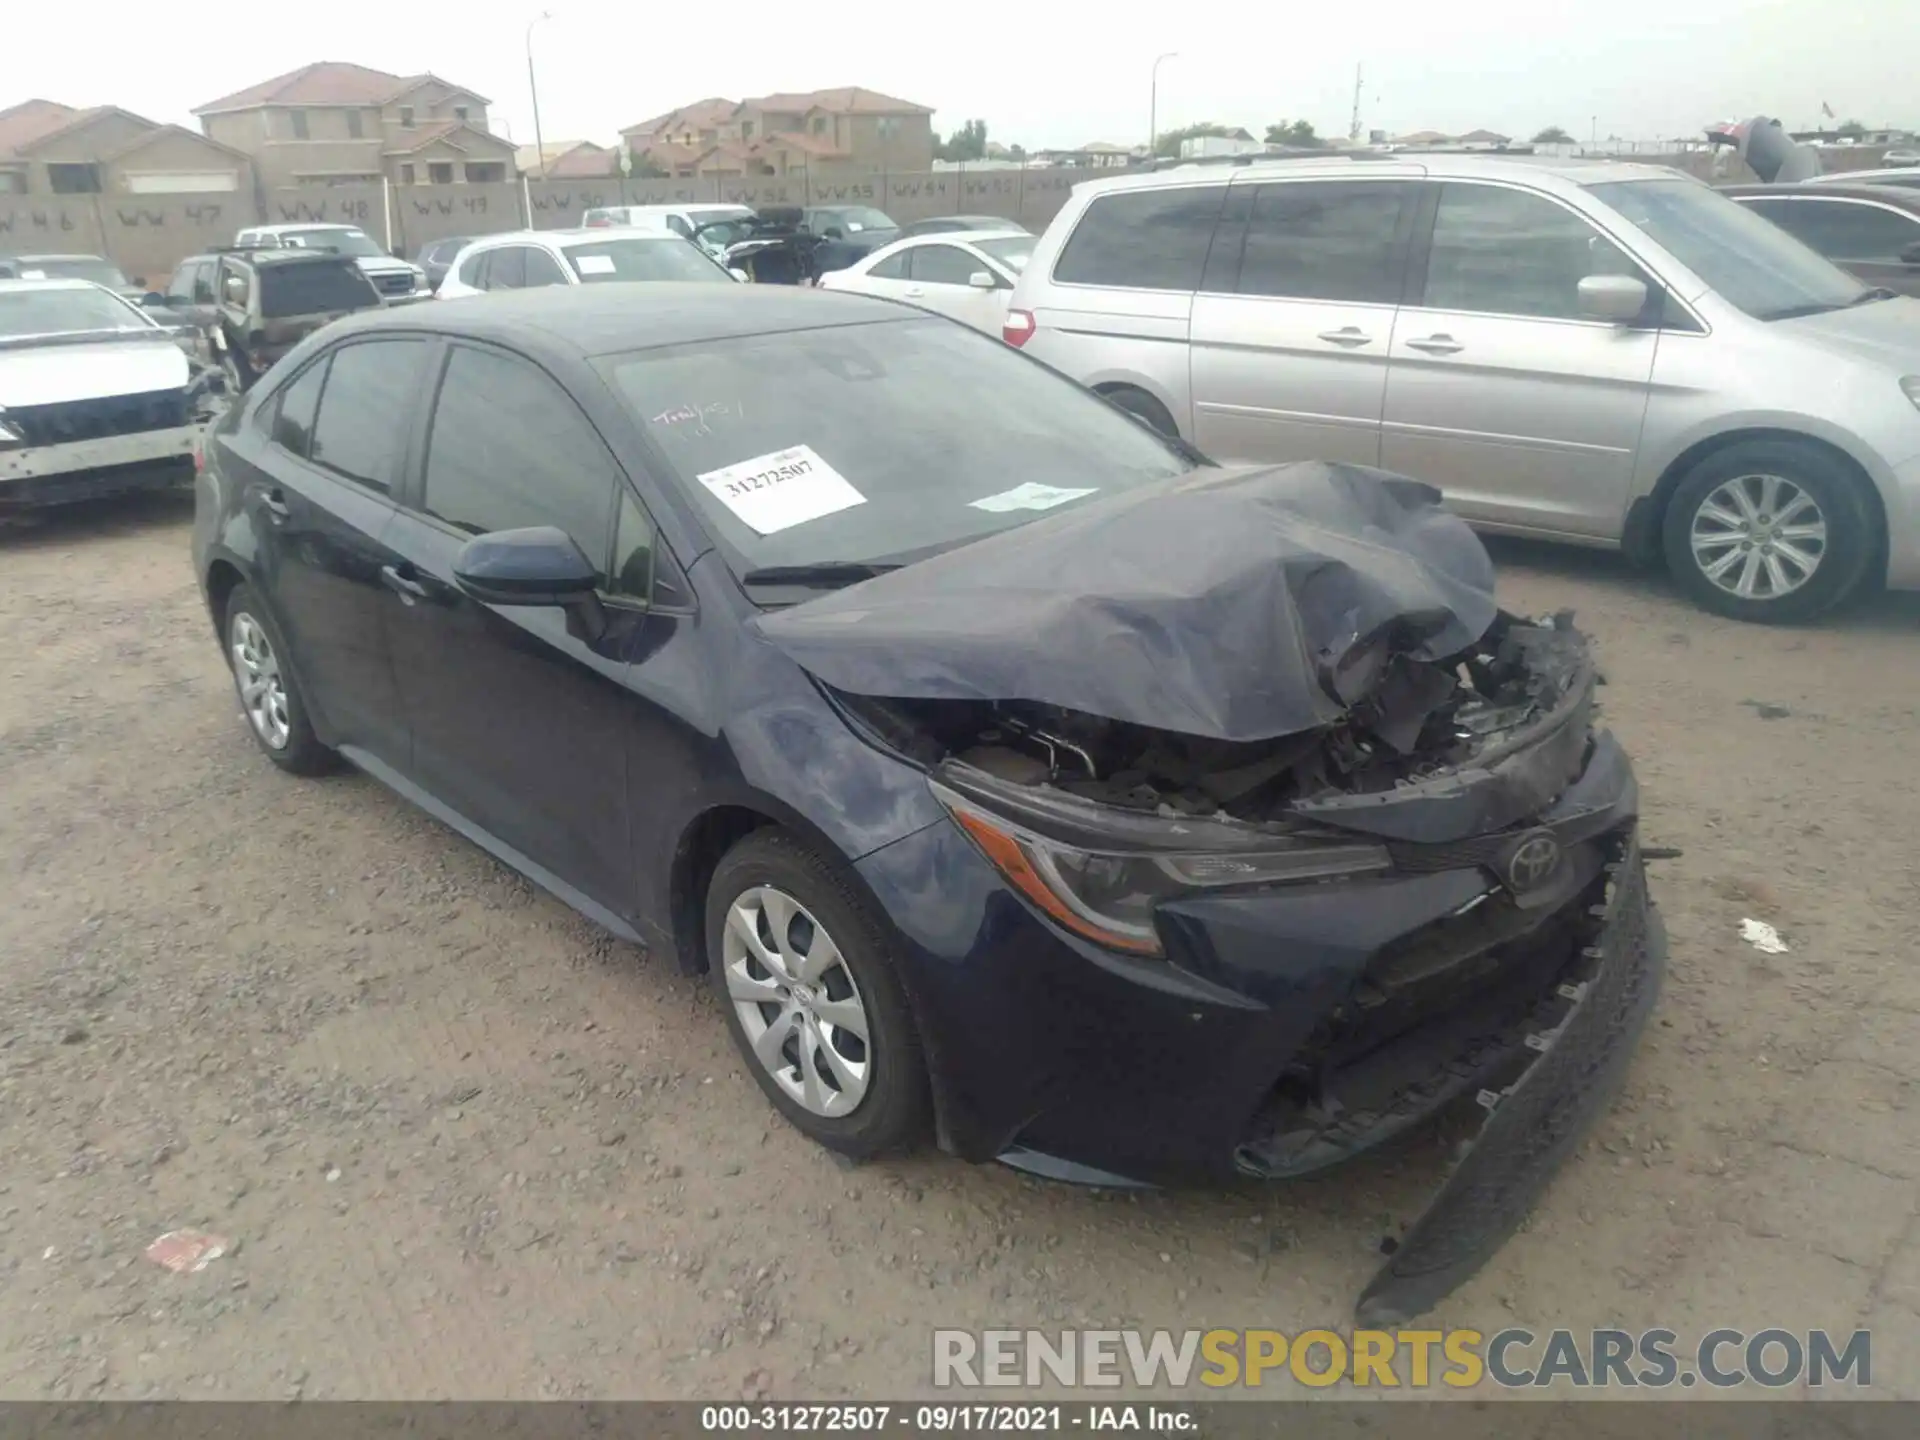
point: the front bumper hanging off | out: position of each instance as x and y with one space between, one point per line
1587 1033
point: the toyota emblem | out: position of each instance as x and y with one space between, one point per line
1532 861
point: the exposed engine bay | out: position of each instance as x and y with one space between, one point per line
1406 721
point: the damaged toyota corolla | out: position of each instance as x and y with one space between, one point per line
1016 774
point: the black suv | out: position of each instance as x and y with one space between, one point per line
267 301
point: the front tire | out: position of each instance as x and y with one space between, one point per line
1770 532
270 697
801 966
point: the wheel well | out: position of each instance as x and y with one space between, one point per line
1649 513
710 836
222 576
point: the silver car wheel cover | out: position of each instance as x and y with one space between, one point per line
256 673
1758 537
798 1003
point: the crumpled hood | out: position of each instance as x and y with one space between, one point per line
1237 604
51 374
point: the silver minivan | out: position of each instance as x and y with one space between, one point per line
1601 353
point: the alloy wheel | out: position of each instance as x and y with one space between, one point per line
1759 537
263 690
797 1001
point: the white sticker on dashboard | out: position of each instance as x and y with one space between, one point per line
593 264
1029 497
778 491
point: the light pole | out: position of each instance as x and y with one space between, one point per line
1153 102
533 92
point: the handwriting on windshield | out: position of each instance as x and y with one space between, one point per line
699 419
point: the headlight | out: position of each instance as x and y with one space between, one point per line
1108 896
1911 385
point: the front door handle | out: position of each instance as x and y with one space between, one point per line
916 293
1437 345
405 586
1348 335
274 502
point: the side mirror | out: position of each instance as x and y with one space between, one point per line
1910 254
737 273
834 232
154 300
981 280
1617 299
537 566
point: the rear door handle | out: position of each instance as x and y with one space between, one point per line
275 504
916 293
405 586
1437 345
1348 335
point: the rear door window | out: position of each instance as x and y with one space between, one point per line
293 417
541 268
1143 240
473 270
1328 241
509 268
367 408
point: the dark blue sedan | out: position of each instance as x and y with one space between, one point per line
1019 777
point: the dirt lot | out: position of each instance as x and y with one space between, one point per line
466 1145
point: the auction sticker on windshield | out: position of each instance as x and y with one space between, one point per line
594 264
1029 496
778 491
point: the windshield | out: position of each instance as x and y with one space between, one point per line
66 312
356 243
637 259
1012 252
1749 261
708 217
872 443
74 267
853 219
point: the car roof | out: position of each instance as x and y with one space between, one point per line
591 320
568 238
61 283
962 237
1903 199
1394 164
287 257
50 255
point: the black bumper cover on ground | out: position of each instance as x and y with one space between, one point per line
1538 1119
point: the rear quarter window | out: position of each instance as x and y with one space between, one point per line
1143 240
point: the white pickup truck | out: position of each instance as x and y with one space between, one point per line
95 398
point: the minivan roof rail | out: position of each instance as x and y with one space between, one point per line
1267 157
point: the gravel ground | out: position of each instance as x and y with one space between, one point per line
465 1145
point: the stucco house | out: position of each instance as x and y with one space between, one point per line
337 123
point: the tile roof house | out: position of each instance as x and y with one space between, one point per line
845 129
567 160
48 148
333 122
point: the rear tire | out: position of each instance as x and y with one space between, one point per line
271 701
800 964
1773 532
1143 406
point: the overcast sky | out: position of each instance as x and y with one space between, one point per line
1039 74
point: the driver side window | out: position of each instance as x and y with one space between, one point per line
510 449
